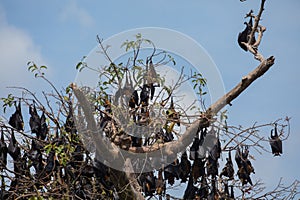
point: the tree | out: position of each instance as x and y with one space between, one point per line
82 135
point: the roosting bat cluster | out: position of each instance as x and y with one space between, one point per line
54 162
58 157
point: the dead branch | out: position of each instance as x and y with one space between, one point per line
254 48
203 122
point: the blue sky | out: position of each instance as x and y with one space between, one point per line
59 33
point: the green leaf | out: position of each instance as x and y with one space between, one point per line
66 98
195 85
78 65
68 89
48 148
138 36
81 68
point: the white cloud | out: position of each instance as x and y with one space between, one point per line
72 12
17 48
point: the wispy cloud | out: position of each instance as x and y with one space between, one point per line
17 48
72 12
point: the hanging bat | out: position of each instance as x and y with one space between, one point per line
160 184
244 36
275 142
198 169
226 189
203 191
184 168
128 88
228 170
50 164
194 148
13 149
244 165
136 141
151 79
70 124
244 176
190 191
16 120
212 166
3 151
144 95
34 121
134 100
231 192
171 172
172 114
78 154
43 127
215 152
238 157
35 156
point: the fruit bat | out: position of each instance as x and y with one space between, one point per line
190 190
238 157
214 194
13 149
226 189
3 151
203 191
70 124
244 176
171 172
78 154
215 152
136 141
21 166
16 120
184 168
212 166
231 192
244 36
134 100
172 114
144 95
228 170
35 156
244 165
4 194
198 169
151 78
128 88
194 148
50 164
275 142
246 162
160 184
34 121
149 183
43 127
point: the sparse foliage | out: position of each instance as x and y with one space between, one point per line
59 152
